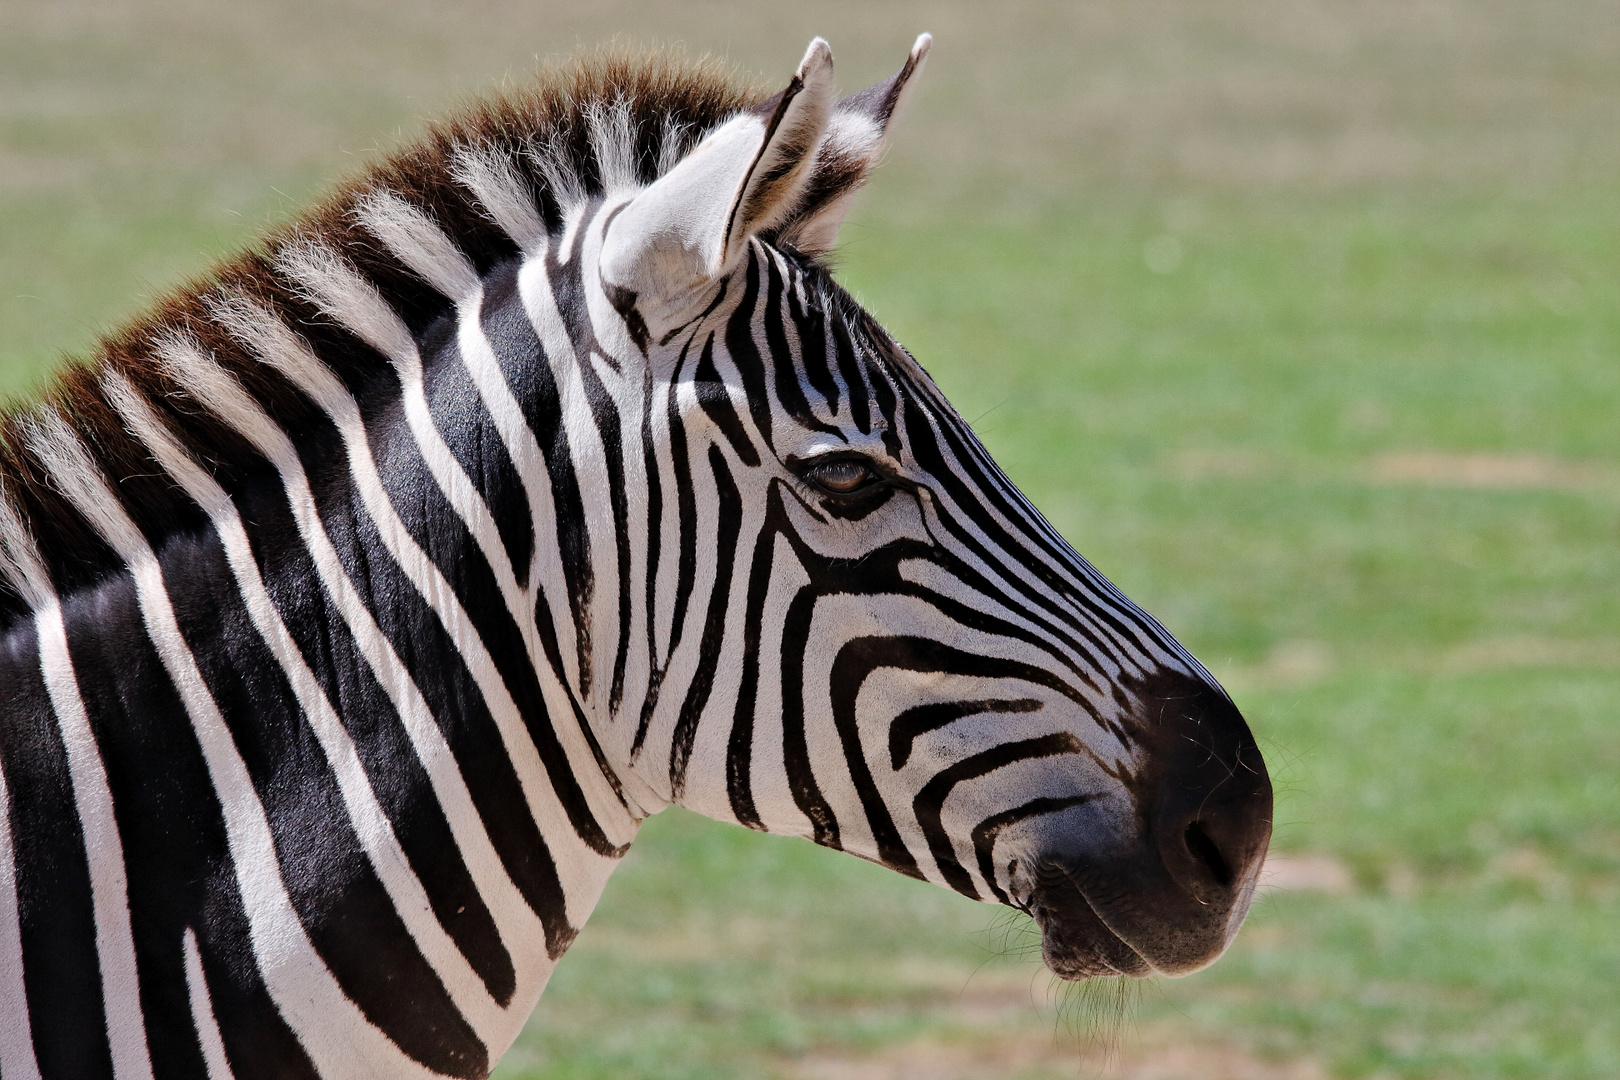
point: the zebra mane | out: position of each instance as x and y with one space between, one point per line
501 166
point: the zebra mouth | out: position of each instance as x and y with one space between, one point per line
1076 943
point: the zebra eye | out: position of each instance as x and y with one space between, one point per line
840 476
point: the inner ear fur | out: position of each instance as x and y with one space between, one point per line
692 224
788 170
857 135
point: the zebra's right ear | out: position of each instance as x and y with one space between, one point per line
693 223
857 135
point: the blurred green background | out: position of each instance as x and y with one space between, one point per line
1299 318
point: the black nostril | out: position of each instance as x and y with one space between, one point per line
1202 848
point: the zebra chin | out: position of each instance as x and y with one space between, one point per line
1156 877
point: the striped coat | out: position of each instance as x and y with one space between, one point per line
361 601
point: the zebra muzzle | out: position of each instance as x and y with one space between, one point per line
1158 881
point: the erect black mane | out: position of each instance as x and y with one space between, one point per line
653 96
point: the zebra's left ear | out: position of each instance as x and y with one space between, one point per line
691 225
857 135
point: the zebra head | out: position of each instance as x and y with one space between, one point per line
857 629
358 604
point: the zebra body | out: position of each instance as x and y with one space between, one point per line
362 602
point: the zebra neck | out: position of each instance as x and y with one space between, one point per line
372 693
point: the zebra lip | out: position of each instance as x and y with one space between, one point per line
1075 942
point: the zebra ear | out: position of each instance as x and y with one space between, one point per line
691 225
856 137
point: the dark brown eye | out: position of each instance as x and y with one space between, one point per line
840 476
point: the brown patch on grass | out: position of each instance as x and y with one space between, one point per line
996 1027
1288 665
1306 873
1401 881
937 1060
1435 468
1218 463
1497 653
1029 1055
1212 1062
1499 471
1529 866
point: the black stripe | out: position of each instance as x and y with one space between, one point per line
727 525
573 304
810 327
786 372
992 487
439 531
423 646
919 720
61 968
928 454
986 832
655 531
801 777
854 372
506 327
528 372
856 661
740 743
169 822
715 401
348 914
686 553
258 1042
930 801
744 350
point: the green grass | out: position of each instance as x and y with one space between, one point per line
1359 447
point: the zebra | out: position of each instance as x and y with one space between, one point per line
363 598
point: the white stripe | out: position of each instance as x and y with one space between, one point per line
484 369
581 870
673 143
572 223
429 252
109 886
337 1036
553 159
521 446
490 176
19 557
589 460
419 243
343 294
663 431
202 1014
220 393
423 247
629 387
516 436
613 143
371 823
1014 575
104 849
16 1034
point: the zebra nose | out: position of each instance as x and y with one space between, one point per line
1204 792
1162 880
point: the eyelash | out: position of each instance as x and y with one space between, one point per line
870 476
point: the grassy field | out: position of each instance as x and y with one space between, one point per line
1299 320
